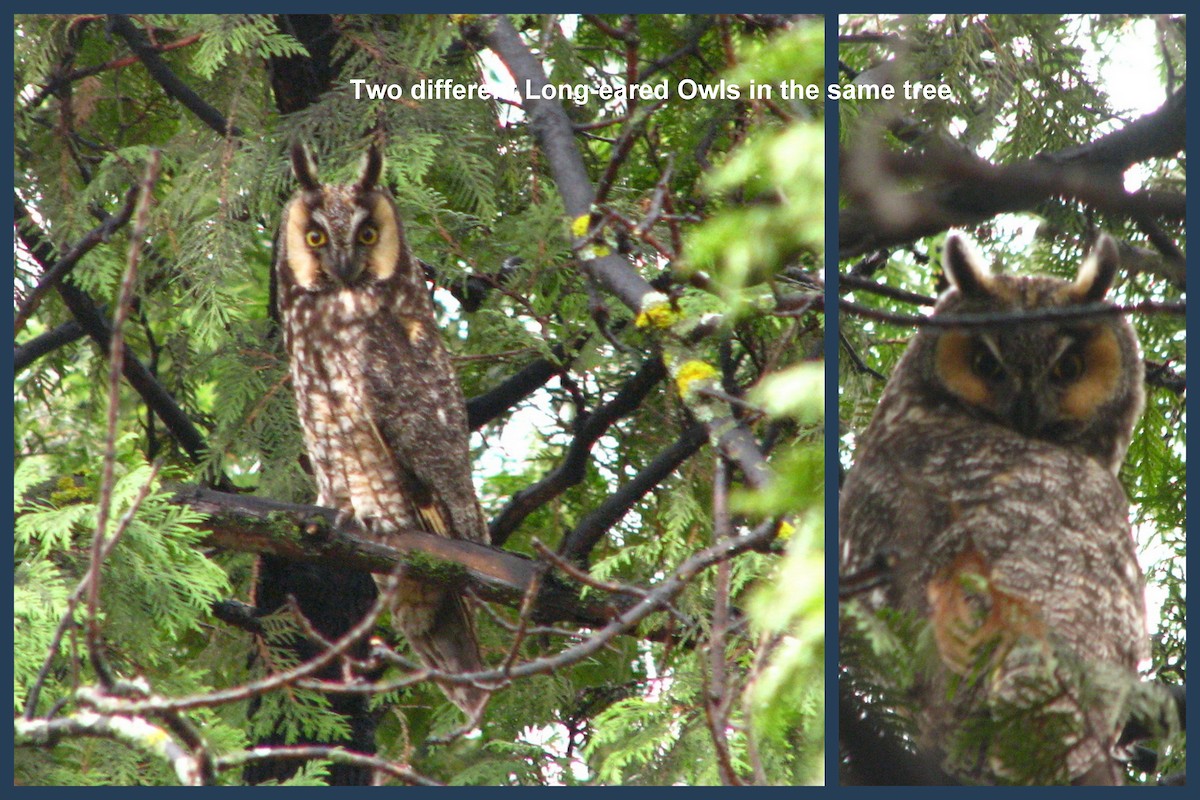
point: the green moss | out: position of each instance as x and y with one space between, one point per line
68 491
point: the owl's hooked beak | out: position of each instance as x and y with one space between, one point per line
1033 416
1026 415
346 269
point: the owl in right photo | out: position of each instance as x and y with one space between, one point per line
1012 387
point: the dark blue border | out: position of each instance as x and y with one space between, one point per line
831 404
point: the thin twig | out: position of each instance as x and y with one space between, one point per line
108 467
586 578
658 598
850 282
1002 319
530 630
717 698
57 82
523 615
338 755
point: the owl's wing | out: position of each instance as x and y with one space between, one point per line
417 407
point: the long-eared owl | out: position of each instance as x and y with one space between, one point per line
986 483
383 415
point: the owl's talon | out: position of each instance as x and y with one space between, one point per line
315 526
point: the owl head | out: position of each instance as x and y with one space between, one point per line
1075 381
340 236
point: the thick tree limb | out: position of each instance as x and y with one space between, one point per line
256 525
972 190
486 407
552 129
1160 134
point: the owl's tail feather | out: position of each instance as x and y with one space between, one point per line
443 637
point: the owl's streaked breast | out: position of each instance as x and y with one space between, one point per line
327 335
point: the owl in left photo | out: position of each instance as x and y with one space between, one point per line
419 399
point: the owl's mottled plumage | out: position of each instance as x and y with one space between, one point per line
988 475
383 415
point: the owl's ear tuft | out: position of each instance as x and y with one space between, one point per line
304 167
963 266
372 169
1097 272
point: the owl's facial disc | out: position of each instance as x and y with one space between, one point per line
1054 396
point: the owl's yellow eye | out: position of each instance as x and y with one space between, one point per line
316 237
368 234
1068 368
985 364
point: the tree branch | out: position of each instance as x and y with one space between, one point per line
572 469
552 129
84 309
116 356
973 190
848 282
656 598
337 755
257 525
1004 319
51 276
134 732
578 544
60 79
486 407
166 77
44 344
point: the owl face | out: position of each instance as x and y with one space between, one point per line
344 236
1074 382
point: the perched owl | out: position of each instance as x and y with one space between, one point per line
987 482
384 418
